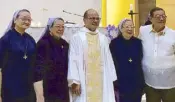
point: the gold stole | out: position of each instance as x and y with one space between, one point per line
94 74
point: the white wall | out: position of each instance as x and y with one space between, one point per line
43 9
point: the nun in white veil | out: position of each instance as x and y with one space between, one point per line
52 62
17 54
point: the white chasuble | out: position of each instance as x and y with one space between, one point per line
91 66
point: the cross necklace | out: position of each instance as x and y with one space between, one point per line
25 51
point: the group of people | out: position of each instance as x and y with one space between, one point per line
89 68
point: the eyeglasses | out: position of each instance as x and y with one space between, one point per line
160 16
94 18
127 27
26 19
59 27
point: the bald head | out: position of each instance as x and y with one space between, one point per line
89 12
91 19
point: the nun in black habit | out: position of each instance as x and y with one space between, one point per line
52 62
127 55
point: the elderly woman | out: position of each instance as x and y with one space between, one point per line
126 51
52 62
17 54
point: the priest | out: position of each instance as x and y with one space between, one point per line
91 71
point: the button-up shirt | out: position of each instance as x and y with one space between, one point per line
158 57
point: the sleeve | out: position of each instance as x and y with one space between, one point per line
111 64
140 33
3 50
174 42
111 47
73 72
41 61
141 69
33 63
174 48
141 50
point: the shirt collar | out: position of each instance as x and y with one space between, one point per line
84 29
159 33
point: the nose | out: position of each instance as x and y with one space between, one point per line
96 20
27 21
130 28
161 18
62 28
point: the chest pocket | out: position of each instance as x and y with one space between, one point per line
166 47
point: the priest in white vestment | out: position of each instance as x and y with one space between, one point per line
91 70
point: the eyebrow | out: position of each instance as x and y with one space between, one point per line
25 16
59 24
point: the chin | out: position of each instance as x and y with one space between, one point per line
92 29
60 34
95 27
130 35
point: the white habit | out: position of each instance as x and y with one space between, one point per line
78 65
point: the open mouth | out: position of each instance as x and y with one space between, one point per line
130 32
59 32
26 25
161 22
95 24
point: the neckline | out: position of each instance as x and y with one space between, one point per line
18 34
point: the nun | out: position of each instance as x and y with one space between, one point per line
52 62
127 55
17 58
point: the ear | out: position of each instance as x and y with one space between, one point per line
50 29
151 17
122 30
15 20
84 19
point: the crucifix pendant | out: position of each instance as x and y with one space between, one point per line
25 56
130 60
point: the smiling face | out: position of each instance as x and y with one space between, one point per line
127 28
58 28
158 18
23 20
91 20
